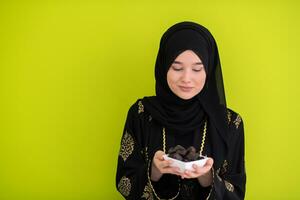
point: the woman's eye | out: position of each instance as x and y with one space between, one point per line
177 69
197 70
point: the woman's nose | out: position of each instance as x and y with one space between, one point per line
186 77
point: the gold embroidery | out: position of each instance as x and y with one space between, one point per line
148 194
146 153
224 167
237 121
141 107
124 186
228 116
229 186
127 146
217 174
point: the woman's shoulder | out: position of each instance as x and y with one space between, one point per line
234 119
138 113
137 107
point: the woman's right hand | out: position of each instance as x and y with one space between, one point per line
161 166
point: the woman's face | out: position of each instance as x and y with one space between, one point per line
186 75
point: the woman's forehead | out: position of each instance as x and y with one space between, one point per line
188 55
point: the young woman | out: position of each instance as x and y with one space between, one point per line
189 109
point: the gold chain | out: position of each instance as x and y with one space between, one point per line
164 149
149 180
164 139
203 138
202 142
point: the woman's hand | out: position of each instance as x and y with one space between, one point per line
203 174
161 166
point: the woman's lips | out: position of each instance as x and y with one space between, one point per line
185 89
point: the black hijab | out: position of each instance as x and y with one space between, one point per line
187 115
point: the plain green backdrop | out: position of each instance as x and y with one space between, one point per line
69 71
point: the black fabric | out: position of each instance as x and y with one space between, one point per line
147 139
188 115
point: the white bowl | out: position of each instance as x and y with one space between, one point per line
186 165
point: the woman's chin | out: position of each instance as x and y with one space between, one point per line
186 96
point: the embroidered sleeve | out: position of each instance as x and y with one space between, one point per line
127 146
131 176
237 121
141 107
233 119
124 186
148 193
228 116
229 180
229 186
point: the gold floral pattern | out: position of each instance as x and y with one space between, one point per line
229 186
141 107
127 146
229 116
124 186
237 121
217 174
146 154
148 194
224 167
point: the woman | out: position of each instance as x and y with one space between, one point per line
189 109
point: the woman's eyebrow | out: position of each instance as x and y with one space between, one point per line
196 63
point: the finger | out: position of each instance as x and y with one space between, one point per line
202 170
172 170
186 174
178 172
198 169
209 162
205 168
208 165
189 174
159 155
163 164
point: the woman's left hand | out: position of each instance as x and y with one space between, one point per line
203 174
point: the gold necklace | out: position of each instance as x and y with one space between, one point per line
164 149
202 142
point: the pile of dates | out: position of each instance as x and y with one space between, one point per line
180 153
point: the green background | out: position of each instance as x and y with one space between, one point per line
69 70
